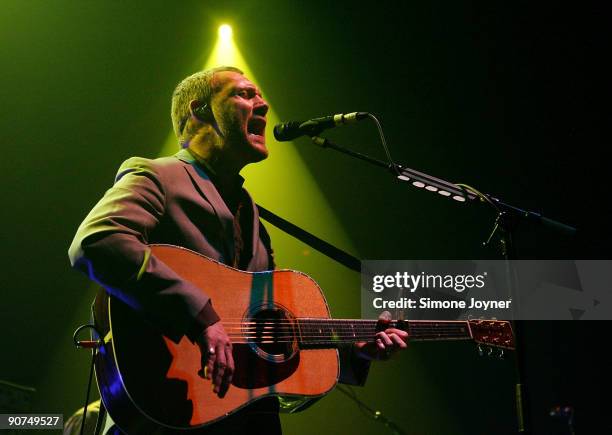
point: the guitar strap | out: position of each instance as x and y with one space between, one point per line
311 240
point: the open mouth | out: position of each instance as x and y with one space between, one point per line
257 126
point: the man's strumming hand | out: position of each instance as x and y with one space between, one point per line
217 359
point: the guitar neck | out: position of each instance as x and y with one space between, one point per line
325 333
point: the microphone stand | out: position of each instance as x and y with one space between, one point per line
507 216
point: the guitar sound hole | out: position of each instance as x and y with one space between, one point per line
272 334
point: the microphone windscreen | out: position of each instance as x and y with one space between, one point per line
287 131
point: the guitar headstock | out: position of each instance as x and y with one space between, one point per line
493 333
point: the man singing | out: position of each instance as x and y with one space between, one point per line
195 199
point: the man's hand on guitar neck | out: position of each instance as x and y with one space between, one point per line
386 344
217 359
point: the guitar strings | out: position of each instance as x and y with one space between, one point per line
271 329
296 325
350 330
311 324
332 343
351 336
321 330
346 321
339 333
327 337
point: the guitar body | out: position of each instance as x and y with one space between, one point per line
149 384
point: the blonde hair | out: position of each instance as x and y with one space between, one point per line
197 87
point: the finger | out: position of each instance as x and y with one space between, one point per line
230 361
385 317
229 371
397 341
399 332
385 338
380 344
210 363
203 361
219 369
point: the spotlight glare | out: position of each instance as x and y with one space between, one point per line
225 31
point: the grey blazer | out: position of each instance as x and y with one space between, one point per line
167 200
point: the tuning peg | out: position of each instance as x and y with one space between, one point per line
501 355
490 351
480 350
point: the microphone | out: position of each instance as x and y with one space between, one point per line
294 129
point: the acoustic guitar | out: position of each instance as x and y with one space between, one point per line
284 344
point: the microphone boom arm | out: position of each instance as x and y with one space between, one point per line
445 188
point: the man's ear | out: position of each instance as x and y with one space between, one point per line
193 105
201 111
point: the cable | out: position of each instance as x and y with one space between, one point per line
482 196
91 367
93 345
392 164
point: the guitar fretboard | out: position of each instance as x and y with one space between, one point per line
332 332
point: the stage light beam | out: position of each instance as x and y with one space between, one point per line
319 217
225 32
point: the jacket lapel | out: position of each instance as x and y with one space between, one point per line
208 190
